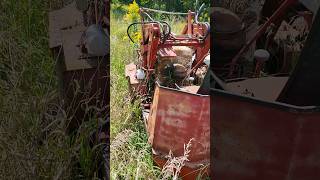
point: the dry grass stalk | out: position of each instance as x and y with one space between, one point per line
33 139
120 140
173 166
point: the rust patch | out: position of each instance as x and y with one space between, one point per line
176 117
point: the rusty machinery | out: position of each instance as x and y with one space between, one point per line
272 129
159 55
169 77
249 65
94 41
78 38
283 29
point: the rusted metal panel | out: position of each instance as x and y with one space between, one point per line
166 52
84 80
254 139
175 118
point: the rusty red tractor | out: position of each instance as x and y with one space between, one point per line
169 78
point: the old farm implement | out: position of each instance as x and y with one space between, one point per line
78 38
169 79
265 94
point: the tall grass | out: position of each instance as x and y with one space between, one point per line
130 152
33 140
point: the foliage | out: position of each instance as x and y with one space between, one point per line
131 154
132 15
172 5
132 12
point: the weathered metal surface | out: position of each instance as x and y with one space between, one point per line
226 21
228 31
266 88
229 37
136 87
175 118
84 80
74 58
152 45
130 72
191 89
166 53
65 18
254 139
276 16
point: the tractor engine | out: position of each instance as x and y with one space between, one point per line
172 70
278 33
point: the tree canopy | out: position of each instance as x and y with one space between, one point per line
172 5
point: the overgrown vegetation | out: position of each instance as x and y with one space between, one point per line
130 152
33 139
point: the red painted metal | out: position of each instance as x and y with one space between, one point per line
189 31
263 140
191 36
175 118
